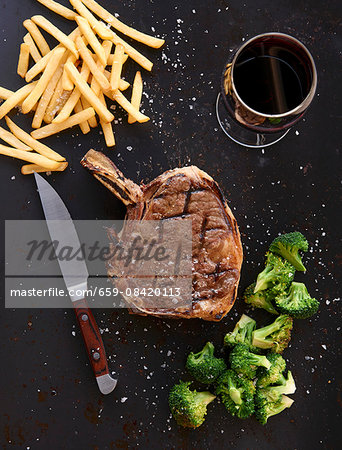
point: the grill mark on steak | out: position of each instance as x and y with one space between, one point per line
107 182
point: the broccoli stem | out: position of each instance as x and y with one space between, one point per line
260 335
259 360
205 397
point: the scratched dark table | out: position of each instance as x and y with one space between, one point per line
49 398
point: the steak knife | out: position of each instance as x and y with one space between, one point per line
75 275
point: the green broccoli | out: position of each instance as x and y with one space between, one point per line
271 400
244 362
204 366
265 408
278 274
189 407
297 302
237 394
242 333
288 246
261 299
275 336
274 375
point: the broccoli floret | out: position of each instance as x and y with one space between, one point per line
244 362
265 408
288 246
275 336
189 407
274 375
204 366
271 400
237 394
261 299
242 333
278 273
297 302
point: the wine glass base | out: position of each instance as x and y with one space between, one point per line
242 135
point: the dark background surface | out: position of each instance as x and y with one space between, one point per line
49 398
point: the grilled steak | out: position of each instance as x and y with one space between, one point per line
177 194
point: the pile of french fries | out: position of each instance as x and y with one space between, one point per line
68 85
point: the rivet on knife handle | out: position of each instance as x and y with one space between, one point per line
94 344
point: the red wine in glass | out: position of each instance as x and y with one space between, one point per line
265 89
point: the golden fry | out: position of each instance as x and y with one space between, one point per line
116 67
5 94
24 58
37 36
125 29
107 128
42 83
67 84
40 65
123 84
85 104
121 99
57 102
89 60
47 95
136 95
10 139
29 157
33 48
58 9
29 169
132 52
16 99
88 93
73 99
99 27
85 128
33 143
96 88
111 57
42 22
91 38
54 128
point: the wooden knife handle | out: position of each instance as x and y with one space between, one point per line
92 338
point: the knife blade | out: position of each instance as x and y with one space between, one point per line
75 275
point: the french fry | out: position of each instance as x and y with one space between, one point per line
123 84
68 85
29 157
134 112
16 99
42 22
96 88
47 95
5 94
85 104
40 65
42 83
33 48
10 139
132 52
37 36
118 25
24 58
136 95
89 61
116 67
91 38
57 102
99 27
83 125
88 93
73 99
59 9
29 169
111 57
44 150
107 128
54 128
